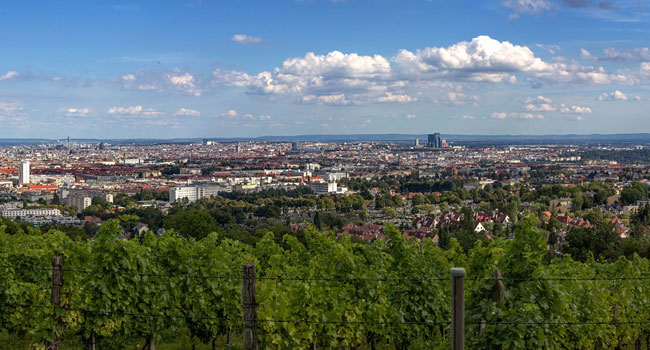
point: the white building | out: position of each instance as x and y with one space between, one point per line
19 213
23 172
322 187
335 176
194 193
178 193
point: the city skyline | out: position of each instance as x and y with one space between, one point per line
248 69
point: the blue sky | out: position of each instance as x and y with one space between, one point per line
187 68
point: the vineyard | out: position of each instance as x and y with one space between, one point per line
318 292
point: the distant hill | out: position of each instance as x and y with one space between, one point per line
640 138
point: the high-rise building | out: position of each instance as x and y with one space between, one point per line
80 201
434 140
23 172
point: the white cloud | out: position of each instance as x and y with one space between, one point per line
499 115
527 116
176 80
313 76
458 98
645 68
515 115
133 111
7 107
617 95
552 49
390 97
467 117
612 54
76 112
246 39
9 75
184 81
231 78
539 100
233 115
528 6
574 109
12 113
543 107
340 79
411 116
186 112
335 100
587 55
482 59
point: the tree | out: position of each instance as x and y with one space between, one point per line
191 223
326 203
633 193
101 202
602 242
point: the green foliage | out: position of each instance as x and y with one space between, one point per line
390 291
601 242
193 223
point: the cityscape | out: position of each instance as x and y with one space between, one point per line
325 174
585 201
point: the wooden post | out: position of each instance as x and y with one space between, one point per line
57 282
249 304
457 308
499 288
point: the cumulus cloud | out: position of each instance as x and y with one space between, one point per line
574 109
617 95
334 100
458 98
539 100
499 115
645 68
390 97
482 59
133 111
467 117
76 112
186 112
539 104
9 75
528 6
552 49
338 78
174 81
12 113
411 116
328 76
246 39
233 115
544 107
490 60
613 54
515 115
